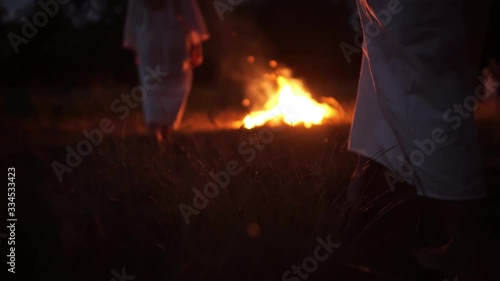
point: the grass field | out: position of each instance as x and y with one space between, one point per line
120 206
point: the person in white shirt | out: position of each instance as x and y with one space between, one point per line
165 35
414 114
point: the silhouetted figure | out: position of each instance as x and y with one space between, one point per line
415 115
166 35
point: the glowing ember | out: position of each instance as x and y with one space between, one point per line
273 63
245 102
291 104
250 59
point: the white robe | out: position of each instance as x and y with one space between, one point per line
164 37
422 62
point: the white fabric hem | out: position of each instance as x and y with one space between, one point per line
419 190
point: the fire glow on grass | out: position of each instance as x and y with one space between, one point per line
290 103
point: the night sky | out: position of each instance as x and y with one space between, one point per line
84 42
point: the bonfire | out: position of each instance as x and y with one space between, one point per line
288 102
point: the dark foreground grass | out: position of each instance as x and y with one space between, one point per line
125 197
120 208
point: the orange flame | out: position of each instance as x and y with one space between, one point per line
291 104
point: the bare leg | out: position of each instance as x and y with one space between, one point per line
164 132
361 178
159 133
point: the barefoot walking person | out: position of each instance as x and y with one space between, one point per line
413 113
165 35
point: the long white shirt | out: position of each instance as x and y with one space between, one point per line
165 35
414 71
163 38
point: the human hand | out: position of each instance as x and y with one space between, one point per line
197 55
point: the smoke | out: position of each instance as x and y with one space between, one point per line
243 54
